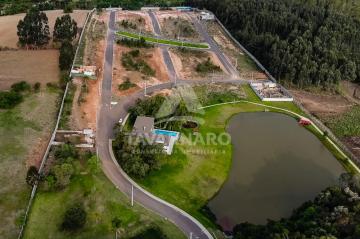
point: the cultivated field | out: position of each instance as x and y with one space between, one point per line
31 66
8 25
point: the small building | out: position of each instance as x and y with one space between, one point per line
270 91
144 127
84 71
207 16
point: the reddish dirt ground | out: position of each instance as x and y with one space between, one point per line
133 16
153 57
185 64
322 104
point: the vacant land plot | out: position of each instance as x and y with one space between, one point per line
104 206
177 26
339 113
152 57
84 103
31 66
24 133
8 25
137 21
186 62
238 58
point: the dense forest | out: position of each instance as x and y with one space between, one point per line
334 213
303 42
8 7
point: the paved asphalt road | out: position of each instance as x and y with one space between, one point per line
165 50
215 48
106 120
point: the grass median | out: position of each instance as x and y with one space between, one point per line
162 41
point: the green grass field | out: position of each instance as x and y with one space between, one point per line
194 173
162 41
22 130
103 202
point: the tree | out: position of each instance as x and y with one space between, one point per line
9 99
32 176
74 218
63 174
33 30
66 55
65 29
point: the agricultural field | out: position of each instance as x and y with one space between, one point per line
30 66
188 64
8 25
24 133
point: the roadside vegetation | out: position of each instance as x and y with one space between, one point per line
155 40
80 202
138 43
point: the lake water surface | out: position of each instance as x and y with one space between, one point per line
277 165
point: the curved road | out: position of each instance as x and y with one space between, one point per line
107 118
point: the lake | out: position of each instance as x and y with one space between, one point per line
277 165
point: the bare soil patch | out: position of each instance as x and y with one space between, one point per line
185 63
31 66
237 57
322 105
8 25
329 107
351 91
140 19
177 25
152 56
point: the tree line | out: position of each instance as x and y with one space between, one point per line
33 32
334 213
304 44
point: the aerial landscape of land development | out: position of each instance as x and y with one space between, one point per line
154 119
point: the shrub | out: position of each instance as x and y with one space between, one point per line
135 53
10 99
127 84
37 86
74 218
32 176
68 8
207 66
20 86
64 152
134 43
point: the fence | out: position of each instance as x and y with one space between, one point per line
33 191
297 103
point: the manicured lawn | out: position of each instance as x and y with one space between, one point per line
162 41
194 173
23 132
103 202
